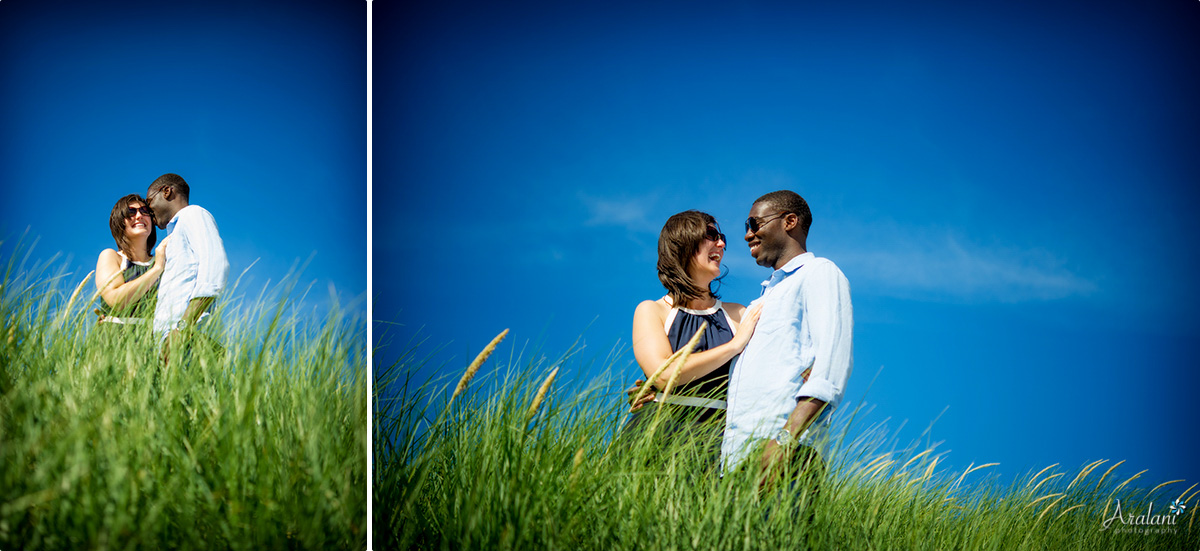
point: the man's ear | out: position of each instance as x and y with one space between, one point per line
791 221
168 193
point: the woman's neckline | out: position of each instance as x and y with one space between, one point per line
138 262
703 312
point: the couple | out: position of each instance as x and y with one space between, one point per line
783 362
138 288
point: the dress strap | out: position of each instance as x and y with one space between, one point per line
670 319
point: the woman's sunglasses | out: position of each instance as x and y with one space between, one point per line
711 234
132 211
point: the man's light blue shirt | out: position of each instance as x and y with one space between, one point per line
802 347
196 265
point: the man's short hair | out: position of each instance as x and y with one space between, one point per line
173 181
789 201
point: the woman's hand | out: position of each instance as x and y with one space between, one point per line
645 399
160 254
746 328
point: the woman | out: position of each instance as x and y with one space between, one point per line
127 277
690 250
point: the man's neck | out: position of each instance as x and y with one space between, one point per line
175 210
783 260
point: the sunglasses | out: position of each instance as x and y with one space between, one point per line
711 234
132 211
754 224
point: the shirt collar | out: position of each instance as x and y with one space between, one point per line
171 225
788 269
796 262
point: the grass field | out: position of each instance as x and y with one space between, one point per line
499 468
261 445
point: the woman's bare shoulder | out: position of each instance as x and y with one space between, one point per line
658 305
109 256
656 308
734 310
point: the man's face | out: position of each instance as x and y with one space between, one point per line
767 244
157 204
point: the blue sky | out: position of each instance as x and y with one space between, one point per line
1008 189
261 106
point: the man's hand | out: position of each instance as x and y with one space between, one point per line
773 461
645 399
774 457
172 339
160 253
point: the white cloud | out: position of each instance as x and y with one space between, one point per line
942 265
627 212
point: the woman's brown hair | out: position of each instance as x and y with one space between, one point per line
677 246
116 223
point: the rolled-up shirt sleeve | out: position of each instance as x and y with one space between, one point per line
212 269
830 320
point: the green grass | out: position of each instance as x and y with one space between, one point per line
482 475
259 446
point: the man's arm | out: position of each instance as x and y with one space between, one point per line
830 319
196 307
212 266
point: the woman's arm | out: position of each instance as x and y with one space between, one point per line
651 348
119 293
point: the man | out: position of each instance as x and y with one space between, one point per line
794 370
196 268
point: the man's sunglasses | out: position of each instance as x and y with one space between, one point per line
711 234
754 224
132 211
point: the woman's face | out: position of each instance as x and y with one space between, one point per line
707 262
137 223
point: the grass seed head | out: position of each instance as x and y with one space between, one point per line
915 457
1039 474
1045 480
1086 470
1106 473
1051 506
1047 496
974 468
541 394
1131 479
687 351
1185 492
475 365
1068 510
1163 484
